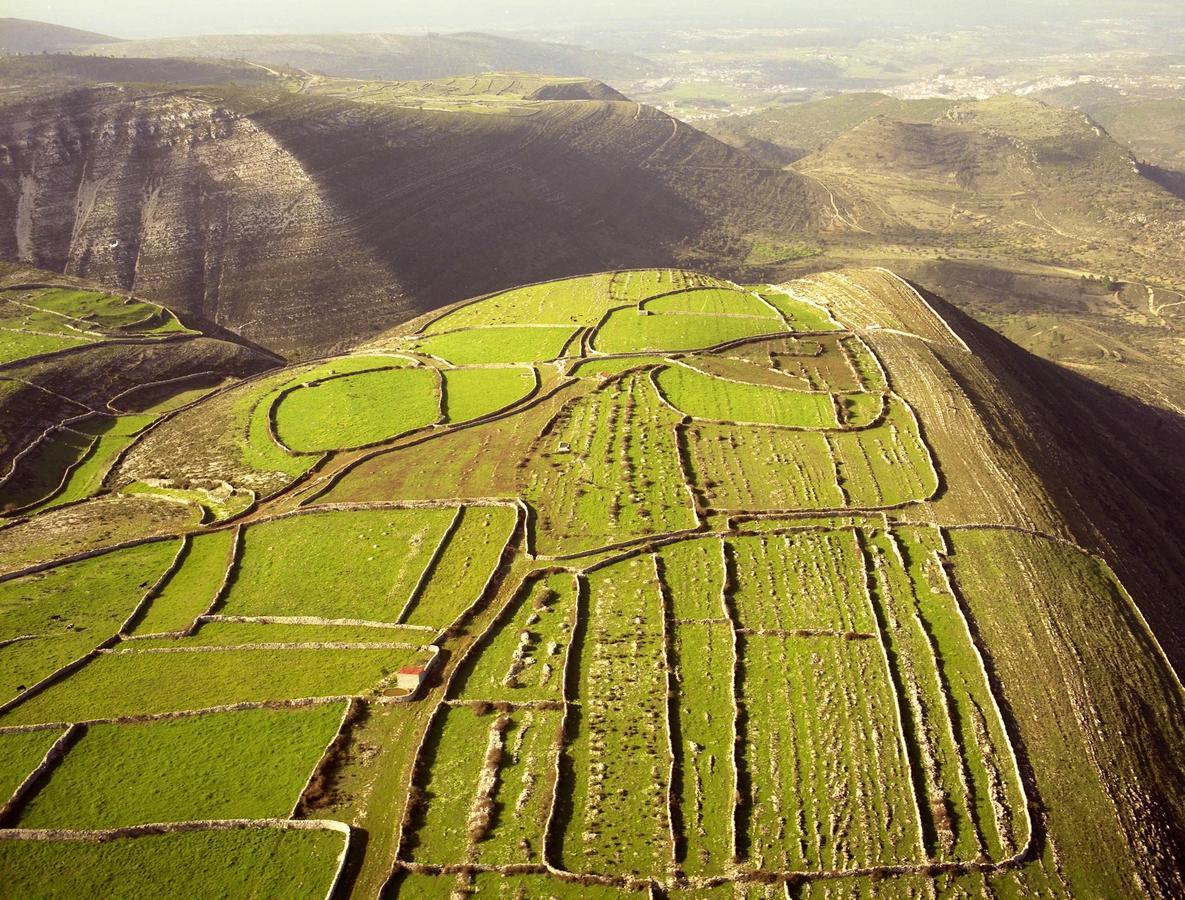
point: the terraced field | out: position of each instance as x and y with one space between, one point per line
39 320
636 584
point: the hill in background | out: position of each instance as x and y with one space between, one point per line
27 36
308 213
1030 215
369 56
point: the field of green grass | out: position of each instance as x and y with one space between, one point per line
885 465
706 397
802 316
16 344
20 753
827 782
806 580
105 312
500 344
523 659
177 770
570 301
473 393
132 683
713 302
112 436
37 321
355 564
600 368
617 752
456 754
704 667
358 409
255 862
224 437
39 475
762 468
609 472
55 617
467 561
633 331
190 589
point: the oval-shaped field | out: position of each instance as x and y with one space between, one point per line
355 410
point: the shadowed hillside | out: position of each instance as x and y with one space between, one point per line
1110 463
306 222
25 76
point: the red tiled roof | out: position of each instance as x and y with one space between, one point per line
412 670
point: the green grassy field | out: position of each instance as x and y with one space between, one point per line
762 468
473 393
190 589
112 437
20 753
570 301
801 316
105 312
598 368
609 473
632 331
358 409
70 609
129 683
39 475
183 769
712 301
501 344
885 465
16 345
224 437
39 321
510 667
802 580
828 784
223 633
241 863
469 558
358 564
705 397
618 754
456 751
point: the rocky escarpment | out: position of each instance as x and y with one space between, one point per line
178 198
308 223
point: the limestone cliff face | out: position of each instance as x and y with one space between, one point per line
178 198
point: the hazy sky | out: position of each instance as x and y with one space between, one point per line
155 18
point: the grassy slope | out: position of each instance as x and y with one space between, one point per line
185 769
258 863
341 412
72 609
472 393
346 565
